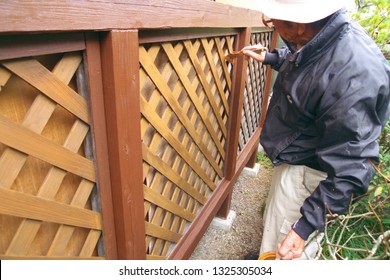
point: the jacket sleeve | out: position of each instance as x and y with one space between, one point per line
276 57
352 113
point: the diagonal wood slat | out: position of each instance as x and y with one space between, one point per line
221 53
42 148
28 228
159 232
90 243
11 161
205 84
41 78
4 76
161 201
171 175
209 57
31 207
65 232
184 91
163 87
148 112
173 57
46 223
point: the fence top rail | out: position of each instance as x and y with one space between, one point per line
22 16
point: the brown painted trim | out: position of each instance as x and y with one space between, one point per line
268 82
236 104
235 114
120 64
99 131
83 15
252 160
16 46
176 34
195 232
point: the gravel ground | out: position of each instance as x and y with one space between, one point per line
249 196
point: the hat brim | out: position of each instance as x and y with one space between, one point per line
300 11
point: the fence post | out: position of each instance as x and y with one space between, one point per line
236 103
99 129
120 65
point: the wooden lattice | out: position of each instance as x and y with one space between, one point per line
185 88
254 91
47 174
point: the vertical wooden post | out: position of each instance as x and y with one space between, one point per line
252 160
120 61
236 103
99 131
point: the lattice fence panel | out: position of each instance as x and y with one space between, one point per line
47 174
185 86
254 91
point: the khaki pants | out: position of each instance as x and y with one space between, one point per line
291 185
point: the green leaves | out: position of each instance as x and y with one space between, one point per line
374 16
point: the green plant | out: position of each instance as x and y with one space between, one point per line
374 16
263 160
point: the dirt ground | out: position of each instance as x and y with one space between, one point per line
249 196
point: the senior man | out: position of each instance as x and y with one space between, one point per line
330 102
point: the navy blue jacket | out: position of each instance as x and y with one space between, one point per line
329 104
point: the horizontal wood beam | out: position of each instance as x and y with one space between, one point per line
81 15
16 46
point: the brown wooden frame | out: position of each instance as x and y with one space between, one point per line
110 32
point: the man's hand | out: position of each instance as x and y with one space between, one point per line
253 51
291 247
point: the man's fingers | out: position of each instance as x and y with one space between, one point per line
254 55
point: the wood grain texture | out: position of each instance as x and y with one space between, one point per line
99 132
26 141
48 15
41 78
120 64
31 207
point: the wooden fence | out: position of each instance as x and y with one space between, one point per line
122 126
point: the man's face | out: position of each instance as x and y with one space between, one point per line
287 30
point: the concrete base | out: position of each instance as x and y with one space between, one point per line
225 224
252 172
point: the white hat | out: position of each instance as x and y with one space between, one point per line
302 11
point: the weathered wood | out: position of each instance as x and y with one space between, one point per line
120 66
44 15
